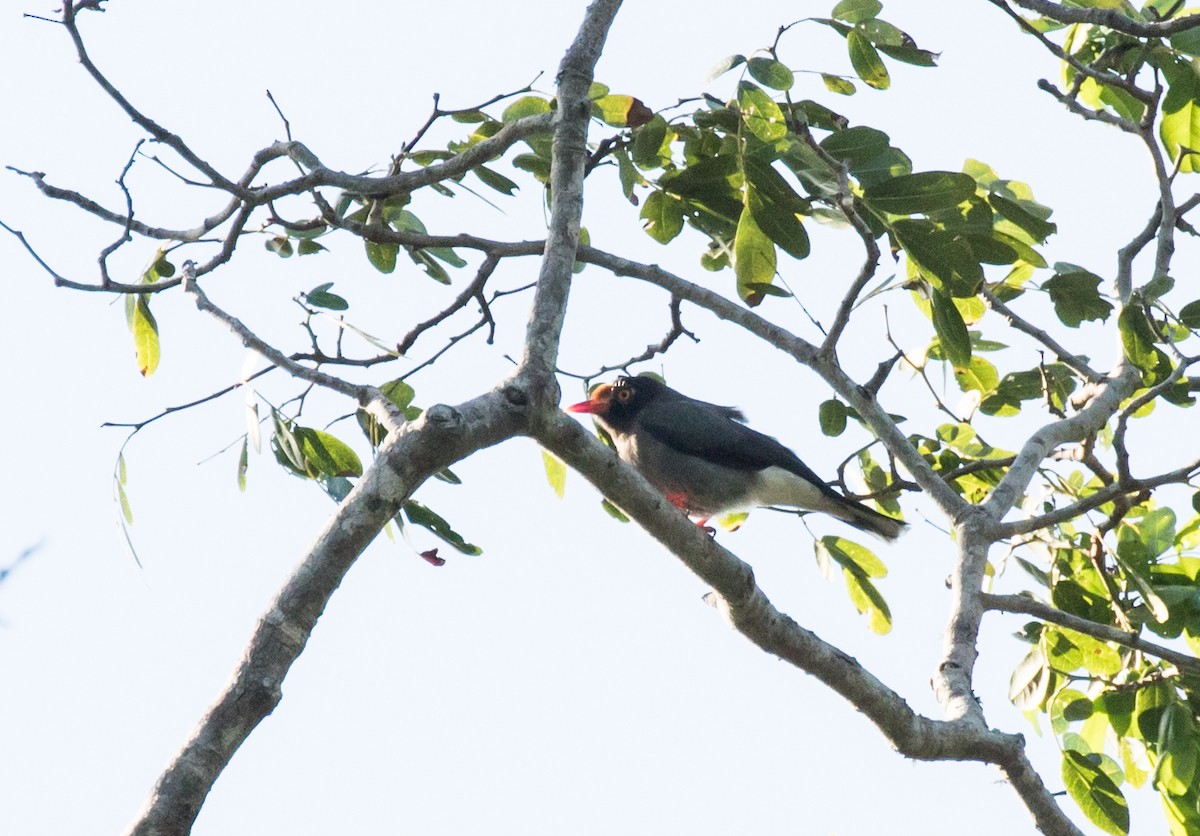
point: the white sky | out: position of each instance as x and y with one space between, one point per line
570 680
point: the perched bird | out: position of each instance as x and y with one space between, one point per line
707 462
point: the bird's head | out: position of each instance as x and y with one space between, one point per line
618 403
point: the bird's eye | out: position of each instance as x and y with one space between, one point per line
623 395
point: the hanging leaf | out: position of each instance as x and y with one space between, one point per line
925 192
1095 793
382 256
144 328
662 215
556 472
753 259
761 114
866 61
769 72
419 514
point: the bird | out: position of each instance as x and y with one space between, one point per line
706 461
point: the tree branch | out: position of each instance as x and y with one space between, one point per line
1133 640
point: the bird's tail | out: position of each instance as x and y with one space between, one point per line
870 520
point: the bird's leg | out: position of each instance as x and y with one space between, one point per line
680 501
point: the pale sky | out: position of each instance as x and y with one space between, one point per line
570 680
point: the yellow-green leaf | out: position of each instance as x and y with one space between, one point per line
144 328
556 472
866 61
753 259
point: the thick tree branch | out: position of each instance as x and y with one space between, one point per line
1110 18
440 437
1019 323
753 615
566 191
1089 420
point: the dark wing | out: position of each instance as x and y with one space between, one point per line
713 433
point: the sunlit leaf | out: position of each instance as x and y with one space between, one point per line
771 73
762 115
326 454
556 472
866 61
753 259
144 328
1095 793
662 217
926 191
839 85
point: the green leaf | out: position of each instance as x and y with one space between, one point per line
325 454
866 61
761 114
309 247
382 256
1039 228
856 11
646 147
941 257
753 259
771 73
621 111
1095 793
662 216
1137 337
525 106
144 328
627 173
1030 682
948 323
1189 314
776 209
839 85
928 191
556 472
320 297
613 511
280 245
725 65
855 145
495 180
1179 127
123 501
853 556
243 464
909 54
1075 294
421 515
832 415
979 375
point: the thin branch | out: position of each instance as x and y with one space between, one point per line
1017 322
361 394
471 291
1108 493
1068 101
137 426
652 350
146 123
1058 52
1028 606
